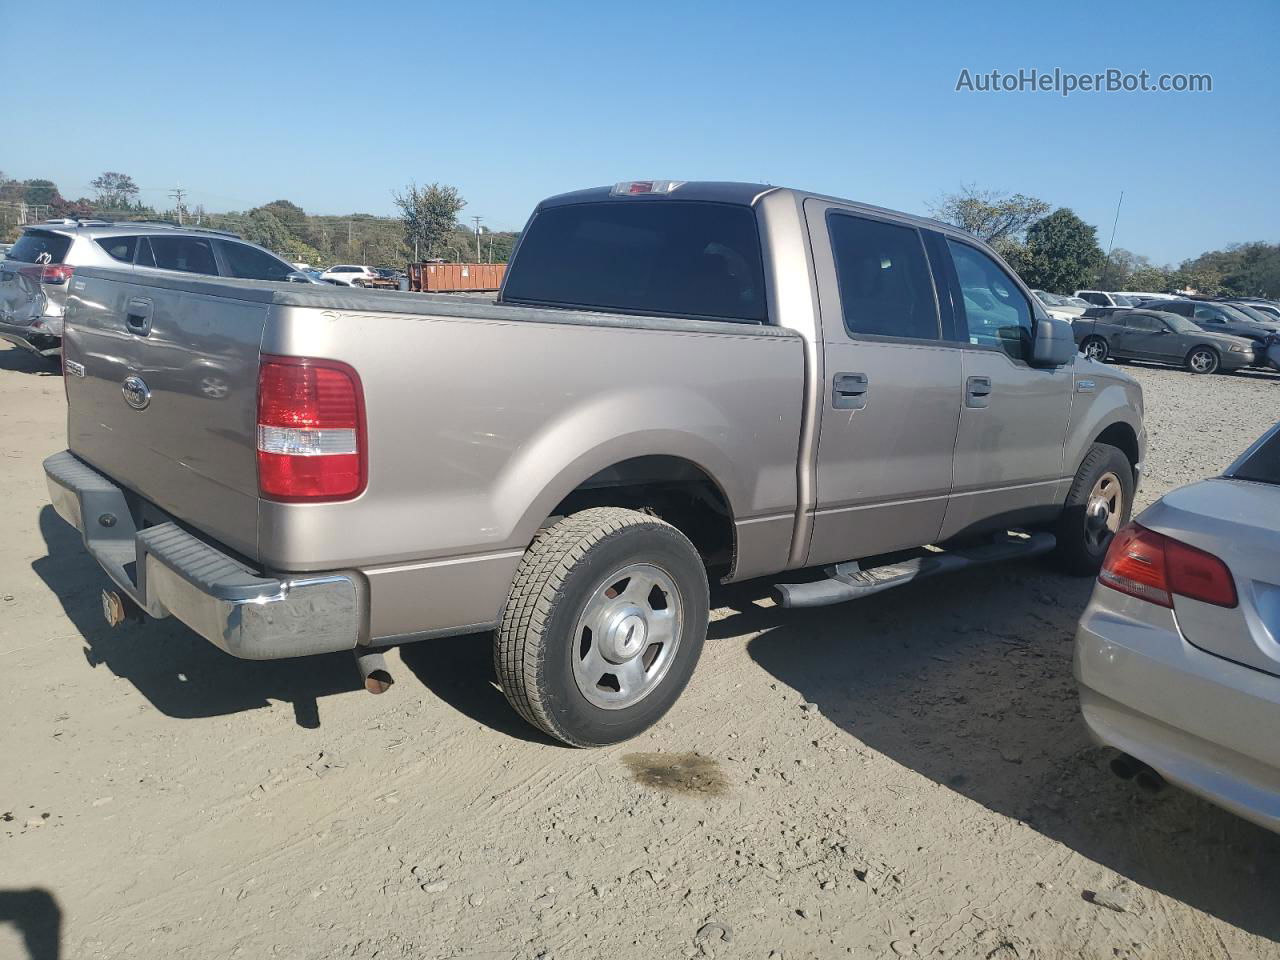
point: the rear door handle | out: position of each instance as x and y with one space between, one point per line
138 315
977 391
849 391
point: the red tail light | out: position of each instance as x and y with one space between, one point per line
49 272
1153 567
311 430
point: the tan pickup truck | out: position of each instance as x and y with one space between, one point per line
678 383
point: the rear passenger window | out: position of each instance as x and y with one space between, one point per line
119 248
885 286
250 263
188 254
996 313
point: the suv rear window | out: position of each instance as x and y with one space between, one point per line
40 246
1263 465
663 257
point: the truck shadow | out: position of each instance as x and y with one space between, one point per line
967 681
36 917
182 674
24 361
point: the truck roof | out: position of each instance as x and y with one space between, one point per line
745 194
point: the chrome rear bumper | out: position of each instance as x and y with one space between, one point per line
170 572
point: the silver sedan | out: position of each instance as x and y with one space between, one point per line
1178 655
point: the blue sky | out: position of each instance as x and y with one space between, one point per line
335 105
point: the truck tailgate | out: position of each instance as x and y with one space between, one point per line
162 396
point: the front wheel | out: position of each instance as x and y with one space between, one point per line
603 626
1095 348
1098 504
1202 360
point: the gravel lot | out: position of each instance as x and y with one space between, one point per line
903 776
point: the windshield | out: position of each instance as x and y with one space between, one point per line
1121 301
1234 313
665 257
1257 316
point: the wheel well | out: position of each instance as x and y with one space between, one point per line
671 488
1122 437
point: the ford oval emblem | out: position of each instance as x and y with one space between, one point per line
136 392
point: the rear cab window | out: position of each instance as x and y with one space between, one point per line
40 246
678 258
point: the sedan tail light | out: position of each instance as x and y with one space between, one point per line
1153 567
311 430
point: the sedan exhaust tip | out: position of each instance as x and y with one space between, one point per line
1131 768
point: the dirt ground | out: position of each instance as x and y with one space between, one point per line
903 776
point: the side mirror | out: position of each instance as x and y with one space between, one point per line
1054 344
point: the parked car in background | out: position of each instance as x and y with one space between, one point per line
1137 297
1268 307
1177 656
568 466
349 274
1059 306
4 250
1252 311
1221 318
1100 298
1140 334
36 276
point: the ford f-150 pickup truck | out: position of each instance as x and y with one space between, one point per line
678 383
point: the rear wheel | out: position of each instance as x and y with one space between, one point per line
1098 504
1202 360
1095 348
603 626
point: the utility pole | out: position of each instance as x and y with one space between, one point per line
477 220
1106 266
177 193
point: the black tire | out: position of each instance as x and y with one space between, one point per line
562 570
1202 360
1095 347
1081 546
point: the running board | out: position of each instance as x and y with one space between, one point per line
848 581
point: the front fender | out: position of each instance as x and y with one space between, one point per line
1115 399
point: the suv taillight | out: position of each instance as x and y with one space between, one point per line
311 430
1153 567
56 272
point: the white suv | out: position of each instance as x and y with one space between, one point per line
349 275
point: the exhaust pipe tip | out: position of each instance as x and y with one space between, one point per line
1125 767
373 670
1149 781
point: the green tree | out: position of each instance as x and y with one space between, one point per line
989 215
429 215
114 191
1062 253
41 192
